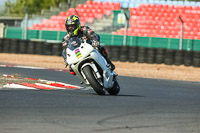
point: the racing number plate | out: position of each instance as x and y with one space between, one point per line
78 53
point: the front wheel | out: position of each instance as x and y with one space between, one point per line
98 88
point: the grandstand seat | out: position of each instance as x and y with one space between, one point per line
53 17
71 11
36 27
107 5
79 6
91 15
63 14
98 3
89 3
98 16
90 20
107 12
117 6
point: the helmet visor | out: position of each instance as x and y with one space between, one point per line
71 27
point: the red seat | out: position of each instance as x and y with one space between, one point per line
100 3
61 22
93 10
63 14
37 27
117 5
107 12
79 6
90 20
71 11
88 11
107 5
80 10
91 15
98 16
115 33
99 11
53 17
89 2
84 15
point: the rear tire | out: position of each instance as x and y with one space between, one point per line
115 89
98 88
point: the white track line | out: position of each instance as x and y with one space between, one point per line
49 86
29 67
49 82
18 86
69 85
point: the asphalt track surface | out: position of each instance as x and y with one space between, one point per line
142 106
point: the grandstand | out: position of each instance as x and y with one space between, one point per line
87 12
152 18
136 3
163 21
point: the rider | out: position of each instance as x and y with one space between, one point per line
74 29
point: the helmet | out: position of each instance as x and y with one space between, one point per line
72 25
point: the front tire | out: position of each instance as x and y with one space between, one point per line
98 88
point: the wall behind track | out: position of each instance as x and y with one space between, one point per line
108 39
116 53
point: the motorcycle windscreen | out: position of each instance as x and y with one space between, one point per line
74 43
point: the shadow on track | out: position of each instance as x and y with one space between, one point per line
120 95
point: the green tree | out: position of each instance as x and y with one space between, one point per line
32 6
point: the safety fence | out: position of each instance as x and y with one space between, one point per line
116 53
109 39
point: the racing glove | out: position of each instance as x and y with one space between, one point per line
65 40
95 43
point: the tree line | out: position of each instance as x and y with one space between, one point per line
30 6
35 6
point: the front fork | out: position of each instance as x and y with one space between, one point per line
94 68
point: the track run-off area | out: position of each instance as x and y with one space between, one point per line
142 106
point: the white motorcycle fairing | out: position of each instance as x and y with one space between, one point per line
86 55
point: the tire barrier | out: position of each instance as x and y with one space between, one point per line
188 55
6 47
196 58
115 53
124 54
150 57
23 47
47 48
142 54
179 56
31 47
56 49
160 55
14 48
133 53
169 57
1 44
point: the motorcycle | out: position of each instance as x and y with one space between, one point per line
91 67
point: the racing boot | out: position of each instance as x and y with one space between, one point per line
104 53
65 63
110 64
71 71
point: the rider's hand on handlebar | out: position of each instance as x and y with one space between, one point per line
95 43
64 44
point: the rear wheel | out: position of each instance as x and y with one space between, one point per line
115 89
90 75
